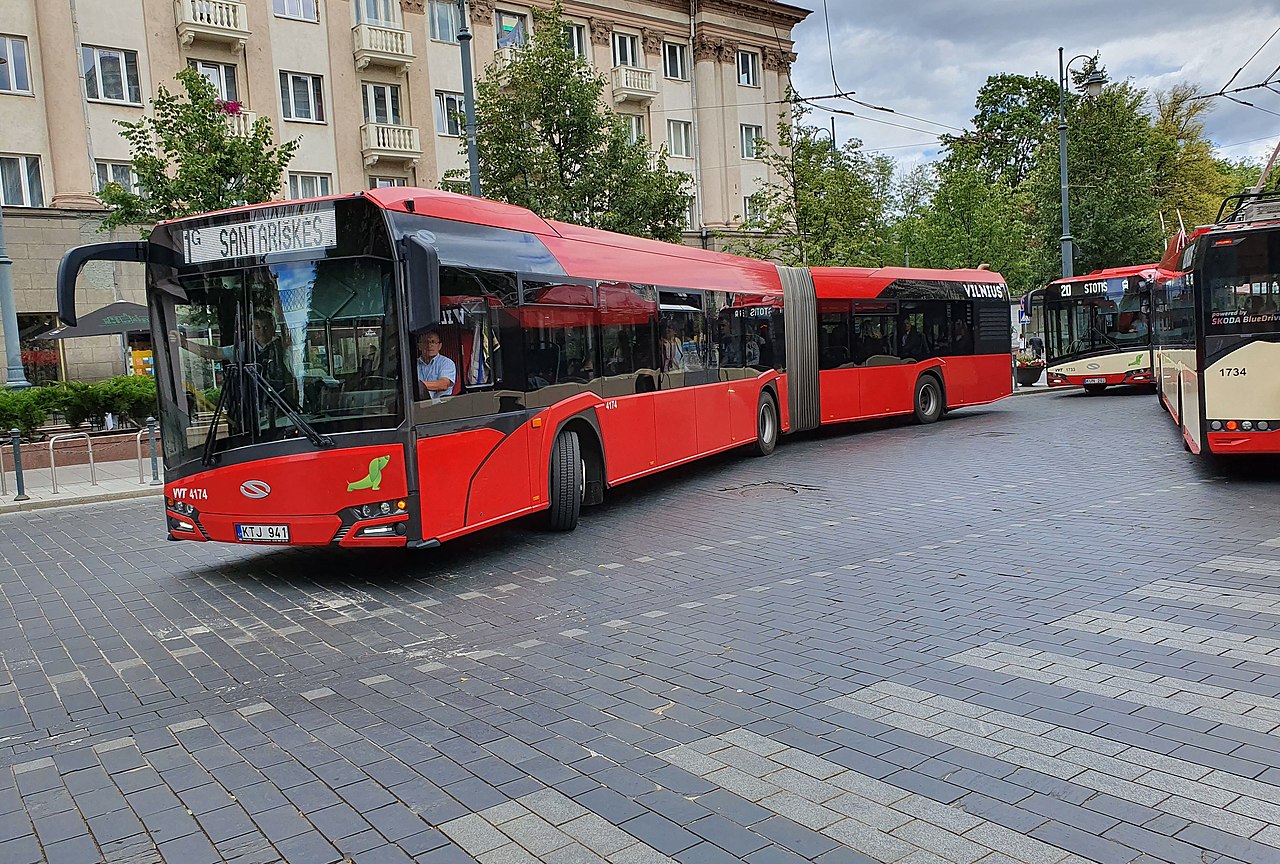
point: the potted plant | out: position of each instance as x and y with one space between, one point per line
1028 369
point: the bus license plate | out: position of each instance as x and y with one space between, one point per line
262 533
1095 380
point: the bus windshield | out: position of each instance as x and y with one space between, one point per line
1079 326
1242 275
300 348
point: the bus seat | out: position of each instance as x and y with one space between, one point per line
884 360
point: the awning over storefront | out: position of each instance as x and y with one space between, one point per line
116 318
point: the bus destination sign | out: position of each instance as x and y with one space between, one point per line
296 232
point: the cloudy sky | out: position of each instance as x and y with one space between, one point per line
928 58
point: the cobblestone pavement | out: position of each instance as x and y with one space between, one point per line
1034 633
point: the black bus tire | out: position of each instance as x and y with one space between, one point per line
766 425
565 493
928 399
1094 389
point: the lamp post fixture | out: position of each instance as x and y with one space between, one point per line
468 99
1093 84
15 378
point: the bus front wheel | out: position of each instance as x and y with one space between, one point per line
928 399
567 480
766 425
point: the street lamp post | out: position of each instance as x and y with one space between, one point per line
468 100
15 378
1093 84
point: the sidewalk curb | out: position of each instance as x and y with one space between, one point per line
1027 391
97 498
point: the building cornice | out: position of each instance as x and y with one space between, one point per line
766 11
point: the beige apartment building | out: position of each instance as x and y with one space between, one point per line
371 88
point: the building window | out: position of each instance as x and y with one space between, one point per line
222 76
626 50
303 10
446 21
381 103
635 126
748 69
302 97
575 37
674 64
384 182
379 13
120 173
751 141
750 208
308 185
110 75
512 29
449 116
680 138
20 181
691 214
14 75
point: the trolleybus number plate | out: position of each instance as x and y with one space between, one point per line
262 533
1095 380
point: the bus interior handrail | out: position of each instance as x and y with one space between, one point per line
53 462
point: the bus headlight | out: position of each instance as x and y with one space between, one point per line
380 509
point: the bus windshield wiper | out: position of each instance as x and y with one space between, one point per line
273 394
207 456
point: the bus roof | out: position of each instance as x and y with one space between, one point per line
1111 273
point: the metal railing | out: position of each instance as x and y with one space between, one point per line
53 463
15 443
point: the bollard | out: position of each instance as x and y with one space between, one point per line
17 466
155 466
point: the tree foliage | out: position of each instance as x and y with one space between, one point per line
188 159
547 142
824 205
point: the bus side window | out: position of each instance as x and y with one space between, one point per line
628 326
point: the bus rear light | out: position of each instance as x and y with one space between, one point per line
1232 425
1263 425
1242 425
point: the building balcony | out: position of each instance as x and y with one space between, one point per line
225 21
382 142
633 84
382 46
241 123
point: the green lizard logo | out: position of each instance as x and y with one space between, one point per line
373 479
1137 361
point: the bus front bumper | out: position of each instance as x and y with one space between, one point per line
287 530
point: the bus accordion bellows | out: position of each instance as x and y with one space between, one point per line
1216 329
1097 328
403 366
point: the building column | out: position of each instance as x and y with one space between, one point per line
73 178
713 144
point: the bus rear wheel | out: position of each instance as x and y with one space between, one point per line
1094 389
928 399
766 425
567 480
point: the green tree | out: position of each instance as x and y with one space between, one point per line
188 160
547 142
824 205
1189 180
1015 115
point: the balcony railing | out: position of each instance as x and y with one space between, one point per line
241 123
381 141
382 46
224 21
634 84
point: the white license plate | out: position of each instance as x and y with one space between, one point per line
1095 380
262 533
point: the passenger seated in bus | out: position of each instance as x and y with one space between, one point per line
436 372
671 351
870 342
914 345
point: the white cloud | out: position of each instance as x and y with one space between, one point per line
928 58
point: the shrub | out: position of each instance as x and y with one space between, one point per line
131 397
22 409
76 401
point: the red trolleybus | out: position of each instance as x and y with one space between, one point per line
404 366
1217 329
1098 328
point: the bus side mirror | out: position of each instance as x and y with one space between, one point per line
73 261
423 296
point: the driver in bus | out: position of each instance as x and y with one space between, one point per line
436 372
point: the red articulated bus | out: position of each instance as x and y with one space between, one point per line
404 366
